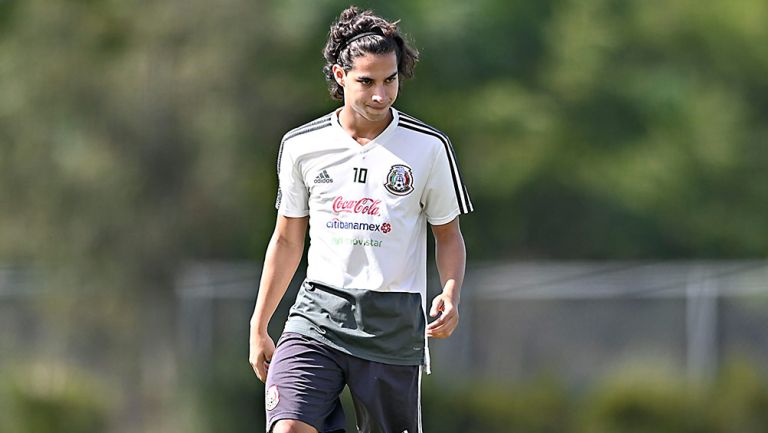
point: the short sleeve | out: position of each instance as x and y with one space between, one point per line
445 195
292 193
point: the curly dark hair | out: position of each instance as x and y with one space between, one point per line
357 33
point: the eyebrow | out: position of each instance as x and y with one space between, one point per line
363 77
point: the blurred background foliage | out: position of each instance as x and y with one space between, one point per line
137 135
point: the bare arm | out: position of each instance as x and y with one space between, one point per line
283 256
450 256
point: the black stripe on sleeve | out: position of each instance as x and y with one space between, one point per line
462 196
416 122
449 146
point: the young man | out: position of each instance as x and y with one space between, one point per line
367 180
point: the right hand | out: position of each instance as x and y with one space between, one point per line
262 348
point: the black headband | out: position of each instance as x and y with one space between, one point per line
353 39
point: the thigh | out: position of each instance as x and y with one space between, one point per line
387 397
304 383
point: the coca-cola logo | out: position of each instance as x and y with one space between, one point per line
363 206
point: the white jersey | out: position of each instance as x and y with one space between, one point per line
369 205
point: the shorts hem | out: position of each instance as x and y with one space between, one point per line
297 417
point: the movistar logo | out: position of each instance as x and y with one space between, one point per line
357 242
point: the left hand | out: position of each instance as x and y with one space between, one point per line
444 306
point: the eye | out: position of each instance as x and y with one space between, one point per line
365 81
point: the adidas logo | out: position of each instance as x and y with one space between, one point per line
323 177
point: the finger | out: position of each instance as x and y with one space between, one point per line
261 369
443 322
268 354
443 328
442 333
260 373
435 323
438 322
437 306
447 313
253 360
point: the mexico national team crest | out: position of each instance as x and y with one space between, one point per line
272 398
399 180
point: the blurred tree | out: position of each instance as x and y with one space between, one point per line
136 135
627 133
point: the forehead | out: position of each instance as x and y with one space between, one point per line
375 64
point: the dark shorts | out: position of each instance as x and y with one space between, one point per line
306 378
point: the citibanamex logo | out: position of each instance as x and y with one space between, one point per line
363 206
386 228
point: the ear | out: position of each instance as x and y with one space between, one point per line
339 74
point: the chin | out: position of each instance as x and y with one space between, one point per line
378 112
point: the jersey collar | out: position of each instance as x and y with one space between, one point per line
379 139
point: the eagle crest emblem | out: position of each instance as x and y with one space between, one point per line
272 398
399 180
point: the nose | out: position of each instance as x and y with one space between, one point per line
379 94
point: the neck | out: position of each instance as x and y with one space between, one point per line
360 128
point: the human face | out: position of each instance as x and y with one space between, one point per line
371 86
